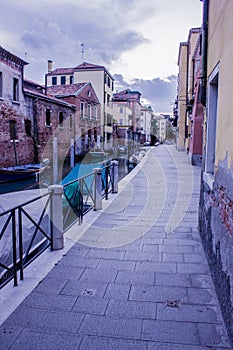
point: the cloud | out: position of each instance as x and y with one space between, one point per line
158 93
55 29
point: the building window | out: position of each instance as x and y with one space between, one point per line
121 121
108 99
54 80
15 89
1 92
109 120
82 108
48 117
13 135
89 111
71 79
112 85
212 121
28 127
63 80
61 120
95 112
121 110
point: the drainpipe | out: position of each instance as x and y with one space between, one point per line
204 51
35 130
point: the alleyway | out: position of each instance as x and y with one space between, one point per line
136 276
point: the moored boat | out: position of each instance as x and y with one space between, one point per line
21 172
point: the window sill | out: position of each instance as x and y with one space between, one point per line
208 178
16 102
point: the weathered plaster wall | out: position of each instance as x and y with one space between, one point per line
216 227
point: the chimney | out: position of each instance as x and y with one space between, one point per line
50 66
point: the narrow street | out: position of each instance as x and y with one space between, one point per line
135 277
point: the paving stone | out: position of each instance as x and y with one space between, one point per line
202 296
158 293
32 339
116 265
178 241
194 258
183 229
202 281
8 335
170 331
99 275
136 277
131 309
104 343
90 305
113 327
150 240
144 256
51 285
213 335
82 262
65 272
46 301
156 266
153 248
76 288
106 254
78 250
172 346
117 291
173 279
176 249
45 320
188 313
172 257
192 268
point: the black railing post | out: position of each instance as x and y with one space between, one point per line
14 244
20 243
51 220
80 200
114 164
98 189
106 182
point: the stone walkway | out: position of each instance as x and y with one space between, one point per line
136 276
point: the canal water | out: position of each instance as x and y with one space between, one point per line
124 169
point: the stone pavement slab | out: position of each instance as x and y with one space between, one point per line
134 276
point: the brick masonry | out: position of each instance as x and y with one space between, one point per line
216 228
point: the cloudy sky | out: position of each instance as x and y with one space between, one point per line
137 41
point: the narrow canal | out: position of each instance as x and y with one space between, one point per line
46 179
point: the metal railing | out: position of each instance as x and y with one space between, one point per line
28 229
82 195
23 236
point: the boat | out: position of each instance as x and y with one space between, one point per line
97 156
21 172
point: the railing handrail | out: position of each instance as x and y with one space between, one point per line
23 255
23 204
84 176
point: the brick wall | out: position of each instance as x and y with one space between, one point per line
216 228
46 134
24 148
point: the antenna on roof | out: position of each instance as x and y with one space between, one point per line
82 46
25 55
